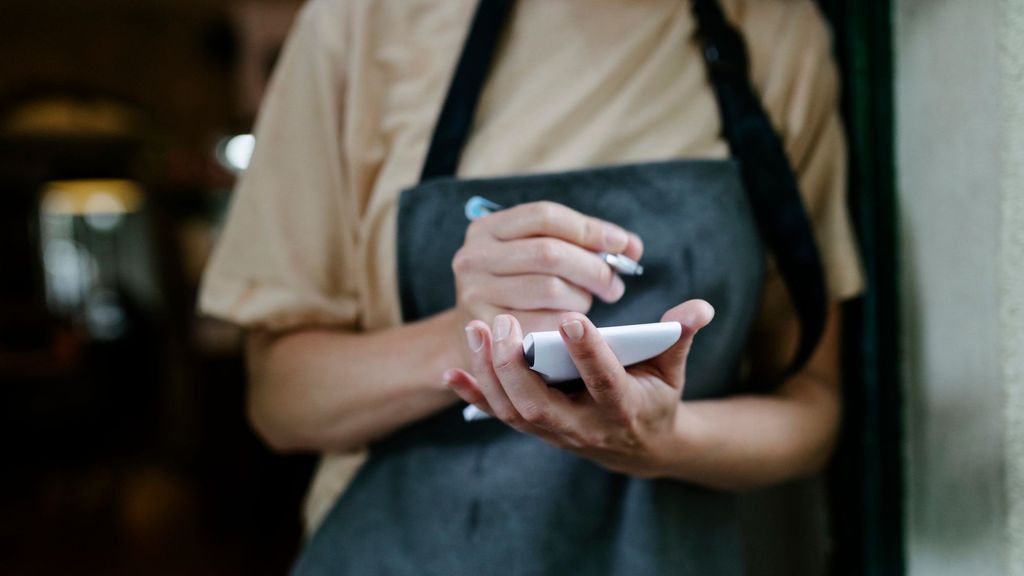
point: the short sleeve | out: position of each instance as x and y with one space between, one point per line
286 255
795 72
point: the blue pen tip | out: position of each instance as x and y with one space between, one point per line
478 207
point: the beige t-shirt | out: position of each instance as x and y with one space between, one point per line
310 239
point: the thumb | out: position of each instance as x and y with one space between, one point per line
692 315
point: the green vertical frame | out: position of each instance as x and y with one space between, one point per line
866 478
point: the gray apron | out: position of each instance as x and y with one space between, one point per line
444 496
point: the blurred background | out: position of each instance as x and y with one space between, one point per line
122 127
124 123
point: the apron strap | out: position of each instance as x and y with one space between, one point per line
456 119
771 185
767 175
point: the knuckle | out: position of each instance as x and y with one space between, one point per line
547 255
508 415
536 414
550 288
594 439
503 362
590 232
544 217
547 214
462 261
545 206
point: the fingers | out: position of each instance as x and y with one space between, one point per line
601 371
635 248
528 292
533 409
537 404
540 239
692 315
541 321
466 387
554 220
478 337
563 259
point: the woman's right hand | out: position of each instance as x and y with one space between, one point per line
537 261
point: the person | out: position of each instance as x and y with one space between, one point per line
309 264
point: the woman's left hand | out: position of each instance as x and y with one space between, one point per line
627 418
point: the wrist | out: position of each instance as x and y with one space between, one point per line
449 339
680 446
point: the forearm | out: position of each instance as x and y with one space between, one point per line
331 390
750 441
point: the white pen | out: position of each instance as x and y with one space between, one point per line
478 207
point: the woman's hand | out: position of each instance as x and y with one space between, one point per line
537 261
626 419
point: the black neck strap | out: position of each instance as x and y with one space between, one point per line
456 119
771 185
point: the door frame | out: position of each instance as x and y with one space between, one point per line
866 475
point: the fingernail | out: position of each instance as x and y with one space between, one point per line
475 339
573 329
615 239
692 319
637 242
501 327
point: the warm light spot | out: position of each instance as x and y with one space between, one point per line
82 197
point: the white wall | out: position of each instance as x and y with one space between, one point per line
1012 279
960 159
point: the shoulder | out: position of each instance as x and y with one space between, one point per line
374 33
323 22
381 20
771 23
792 65
787 38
